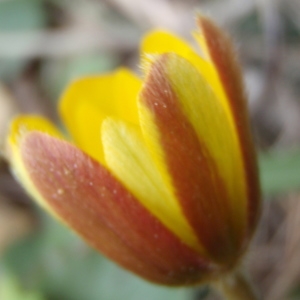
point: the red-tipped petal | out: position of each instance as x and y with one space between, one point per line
221 53
90 200
195 176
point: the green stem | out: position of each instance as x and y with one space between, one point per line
236 286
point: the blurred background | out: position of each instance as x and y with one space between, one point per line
46 43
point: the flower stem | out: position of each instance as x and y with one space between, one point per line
236 286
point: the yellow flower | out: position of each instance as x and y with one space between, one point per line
161 175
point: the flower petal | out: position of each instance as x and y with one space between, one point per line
160 42
128 158
19 128
88 101
218 49
89 199
195 144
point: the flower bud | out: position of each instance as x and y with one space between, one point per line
161 174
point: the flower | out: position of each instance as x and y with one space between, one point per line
161 175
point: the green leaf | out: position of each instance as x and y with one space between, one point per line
280 172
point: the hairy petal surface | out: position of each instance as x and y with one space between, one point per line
90 200
160 42
219 51
181 121
129 159
20 127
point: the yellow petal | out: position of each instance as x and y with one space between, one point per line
21 126
214 127
128 158
87 101
220 52
160 42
